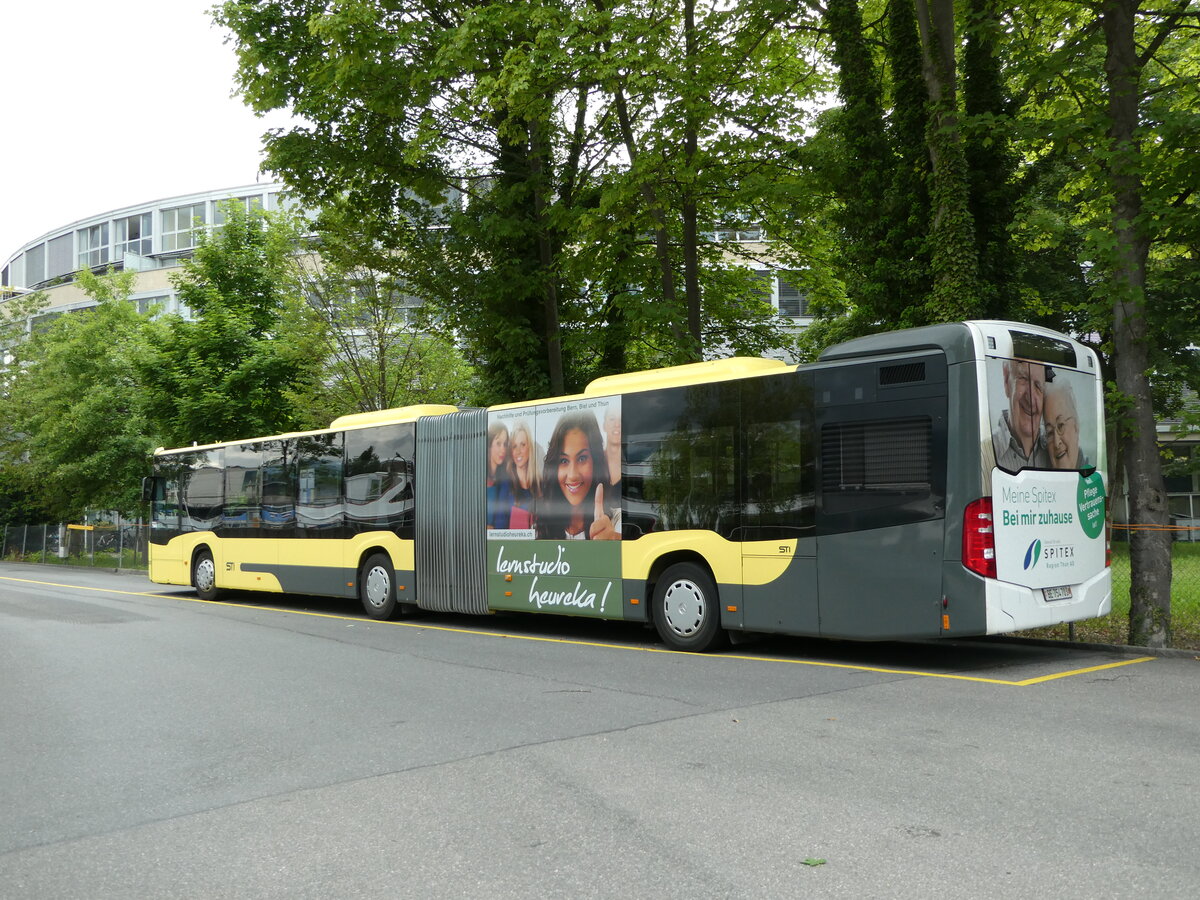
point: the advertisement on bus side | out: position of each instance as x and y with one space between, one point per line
554 507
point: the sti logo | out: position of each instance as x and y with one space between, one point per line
1033 554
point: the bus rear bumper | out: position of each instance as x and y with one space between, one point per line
1012 607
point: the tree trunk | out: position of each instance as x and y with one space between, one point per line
691 234
540 152
1150 548
954 257
662 237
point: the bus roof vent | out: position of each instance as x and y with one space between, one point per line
905 373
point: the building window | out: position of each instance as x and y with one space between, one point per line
14 275
35 265
93 246
782 294
134 234
251 203
792 301
741 233
146 304
60 256
179 226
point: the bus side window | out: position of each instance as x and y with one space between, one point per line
320 510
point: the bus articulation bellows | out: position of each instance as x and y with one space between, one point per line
934 482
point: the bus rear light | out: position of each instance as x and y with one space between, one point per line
1108 545
979 538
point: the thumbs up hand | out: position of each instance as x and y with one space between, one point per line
602 526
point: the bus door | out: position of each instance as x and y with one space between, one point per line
778 543
244 558
881 509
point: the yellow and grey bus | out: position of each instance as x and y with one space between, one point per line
934 482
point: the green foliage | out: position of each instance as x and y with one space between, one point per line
72 432
15 312
544 138
242 366
382 350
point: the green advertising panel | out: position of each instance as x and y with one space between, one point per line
574 578
1091 504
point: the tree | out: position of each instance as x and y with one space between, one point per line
15 315
704 103
511 159
244 364
381 349
1076 131
73 435
1133 230
410 105
1120 122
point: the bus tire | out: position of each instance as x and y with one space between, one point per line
377 586
204 577
687 610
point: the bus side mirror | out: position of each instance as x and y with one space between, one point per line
150 489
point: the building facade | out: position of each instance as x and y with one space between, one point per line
152 238
148 238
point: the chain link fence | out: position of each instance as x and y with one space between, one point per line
1185 585
105 541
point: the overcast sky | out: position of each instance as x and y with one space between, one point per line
115 103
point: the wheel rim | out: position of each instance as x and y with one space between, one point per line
684 607
206 574
378 586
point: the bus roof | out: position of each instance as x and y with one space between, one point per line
965 341
690 373
955 340
342 423
391 416
670 376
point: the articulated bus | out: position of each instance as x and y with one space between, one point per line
935 482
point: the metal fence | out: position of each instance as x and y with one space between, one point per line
103 540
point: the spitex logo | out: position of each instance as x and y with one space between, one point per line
1033 554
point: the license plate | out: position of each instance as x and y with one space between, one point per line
1057 593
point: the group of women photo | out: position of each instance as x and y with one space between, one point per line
555 472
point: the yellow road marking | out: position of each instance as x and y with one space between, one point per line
1040 679
81 587
570 641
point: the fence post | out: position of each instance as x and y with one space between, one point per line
43 543
4 543
24 541
120 542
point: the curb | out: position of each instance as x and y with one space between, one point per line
1122 649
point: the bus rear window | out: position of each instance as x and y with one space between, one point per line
1043 348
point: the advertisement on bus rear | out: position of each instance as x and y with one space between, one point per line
1049 527
1047 496
1043 416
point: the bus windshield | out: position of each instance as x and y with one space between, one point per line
1042 416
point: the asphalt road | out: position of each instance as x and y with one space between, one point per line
153 746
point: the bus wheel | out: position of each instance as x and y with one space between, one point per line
687 611
204 577
377 586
